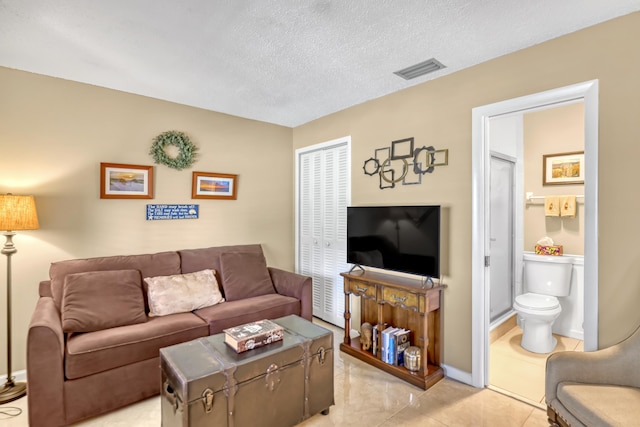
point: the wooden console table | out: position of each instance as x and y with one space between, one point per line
403 303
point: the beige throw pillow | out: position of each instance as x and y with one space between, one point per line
182 293
97 300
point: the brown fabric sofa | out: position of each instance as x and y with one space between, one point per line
75 375
599 388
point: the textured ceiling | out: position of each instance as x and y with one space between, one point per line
285 62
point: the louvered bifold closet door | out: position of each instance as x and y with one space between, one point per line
323 219
334 233
311 225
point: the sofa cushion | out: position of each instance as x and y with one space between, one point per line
181 293
202 258
234 313
245 275
160 264
94 352
97 300
600 404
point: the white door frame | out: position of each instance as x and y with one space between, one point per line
588 92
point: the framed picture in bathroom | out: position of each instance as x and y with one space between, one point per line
563 168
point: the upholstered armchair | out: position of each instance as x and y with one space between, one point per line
600 388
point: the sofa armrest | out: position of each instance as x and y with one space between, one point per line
616 365
45 366
296 286
44 290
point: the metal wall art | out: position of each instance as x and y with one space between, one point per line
401 163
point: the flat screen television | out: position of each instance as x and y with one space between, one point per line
398 238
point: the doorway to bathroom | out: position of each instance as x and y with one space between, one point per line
531 136
485 154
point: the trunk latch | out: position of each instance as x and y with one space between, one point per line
273 377
207 400
321 355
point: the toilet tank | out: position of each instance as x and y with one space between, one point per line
547 275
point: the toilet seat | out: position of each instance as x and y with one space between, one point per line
539 302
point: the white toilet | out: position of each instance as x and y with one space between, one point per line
545 278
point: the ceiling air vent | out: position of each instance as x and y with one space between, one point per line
428 66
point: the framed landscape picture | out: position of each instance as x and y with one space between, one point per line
119 181
563 168
207 185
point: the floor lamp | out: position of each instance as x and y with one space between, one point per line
16 213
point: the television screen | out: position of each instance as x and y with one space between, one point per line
399 238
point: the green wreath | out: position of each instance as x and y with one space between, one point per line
186 150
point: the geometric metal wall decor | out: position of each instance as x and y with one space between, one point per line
401 163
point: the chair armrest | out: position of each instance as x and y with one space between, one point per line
616 365
45 366
44 290
296 286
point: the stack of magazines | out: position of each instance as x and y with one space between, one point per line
394 341
253 335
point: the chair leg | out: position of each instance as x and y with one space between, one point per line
554 419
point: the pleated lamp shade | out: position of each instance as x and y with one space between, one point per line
18 213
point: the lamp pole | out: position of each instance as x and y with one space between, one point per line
11 390
16 213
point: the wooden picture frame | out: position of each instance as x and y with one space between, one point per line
121 181
563 168
206 185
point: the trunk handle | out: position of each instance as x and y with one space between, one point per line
171 396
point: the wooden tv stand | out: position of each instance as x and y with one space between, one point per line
400 302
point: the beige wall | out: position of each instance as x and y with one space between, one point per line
552 131
55 133
439 113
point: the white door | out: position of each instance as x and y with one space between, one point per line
323 188
502 236
310 224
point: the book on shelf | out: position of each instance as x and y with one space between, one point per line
402 343
253 335
387 346
391 347
374 340
393 343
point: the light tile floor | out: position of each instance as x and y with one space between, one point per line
520 372
365 396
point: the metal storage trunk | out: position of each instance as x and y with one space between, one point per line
318 388
193 386
205 382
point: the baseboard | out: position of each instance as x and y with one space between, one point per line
19 376
577 334
457 374
508 323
